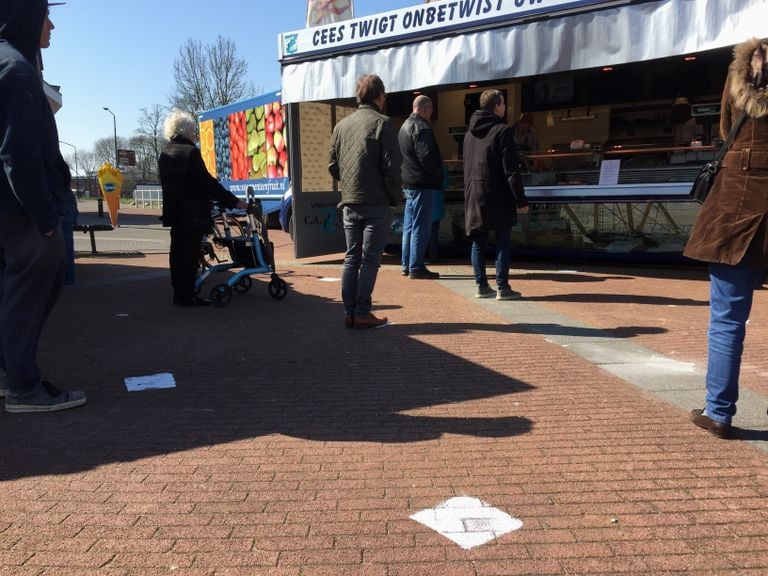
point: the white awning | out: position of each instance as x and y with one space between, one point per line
612 36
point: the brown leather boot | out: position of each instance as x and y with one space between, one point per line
369 321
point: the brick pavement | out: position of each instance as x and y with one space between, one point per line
294 447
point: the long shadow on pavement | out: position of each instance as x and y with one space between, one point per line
258 367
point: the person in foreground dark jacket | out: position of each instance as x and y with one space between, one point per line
188 194
731 232
365 158
31 191
493 192
422 173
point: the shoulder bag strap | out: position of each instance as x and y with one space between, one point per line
731 137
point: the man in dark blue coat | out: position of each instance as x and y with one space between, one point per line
493 191
31 191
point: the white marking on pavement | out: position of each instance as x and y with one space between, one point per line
152 382
468 522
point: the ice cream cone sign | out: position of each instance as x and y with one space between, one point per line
111 183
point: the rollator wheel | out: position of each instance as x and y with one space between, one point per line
243 285
221 295
278 289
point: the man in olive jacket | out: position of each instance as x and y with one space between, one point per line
188 192
365 158
493 191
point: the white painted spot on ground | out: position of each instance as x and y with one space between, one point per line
330 279
468 522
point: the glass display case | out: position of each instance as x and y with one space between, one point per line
579 208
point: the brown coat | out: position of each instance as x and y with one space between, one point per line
731 226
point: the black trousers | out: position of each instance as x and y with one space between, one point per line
184 261
31 276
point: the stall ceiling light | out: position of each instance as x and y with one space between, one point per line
608 69
473 85
690 58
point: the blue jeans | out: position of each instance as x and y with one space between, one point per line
366 228
417 223
503 253
730 302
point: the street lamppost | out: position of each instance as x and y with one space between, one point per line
77 173
114 124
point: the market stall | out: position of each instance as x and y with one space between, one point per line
604 82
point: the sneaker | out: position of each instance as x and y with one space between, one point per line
484 291
404 271
507 294
45 398
423 274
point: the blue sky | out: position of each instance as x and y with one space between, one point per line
120 54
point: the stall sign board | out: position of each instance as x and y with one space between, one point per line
423 20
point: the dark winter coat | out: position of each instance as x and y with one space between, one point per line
365 159
188 187
422 165
731 225
493 189
30 183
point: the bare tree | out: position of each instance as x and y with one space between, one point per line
149 140
104 149
146 160
209 76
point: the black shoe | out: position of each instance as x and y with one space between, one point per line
44 398
423 274
194 301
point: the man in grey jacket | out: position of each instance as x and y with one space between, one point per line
365 159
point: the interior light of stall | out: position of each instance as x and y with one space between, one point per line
608 69
690 58
473 85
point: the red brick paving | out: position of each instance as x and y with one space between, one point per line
294 447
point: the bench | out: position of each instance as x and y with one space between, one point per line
90 229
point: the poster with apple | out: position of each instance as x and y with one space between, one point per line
244 144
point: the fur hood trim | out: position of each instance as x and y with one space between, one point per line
745 96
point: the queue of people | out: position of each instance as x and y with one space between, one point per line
376 168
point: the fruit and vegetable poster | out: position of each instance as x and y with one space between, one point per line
244 144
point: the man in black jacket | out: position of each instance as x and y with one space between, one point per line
31 189
493 191
188 192
422 173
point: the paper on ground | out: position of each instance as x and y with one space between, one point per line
152 382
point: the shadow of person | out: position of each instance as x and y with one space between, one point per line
259 367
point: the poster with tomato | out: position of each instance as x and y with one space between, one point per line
244 145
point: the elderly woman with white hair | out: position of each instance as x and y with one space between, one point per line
188 194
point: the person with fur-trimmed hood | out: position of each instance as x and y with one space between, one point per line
731 232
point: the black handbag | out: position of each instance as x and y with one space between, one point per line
706 176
